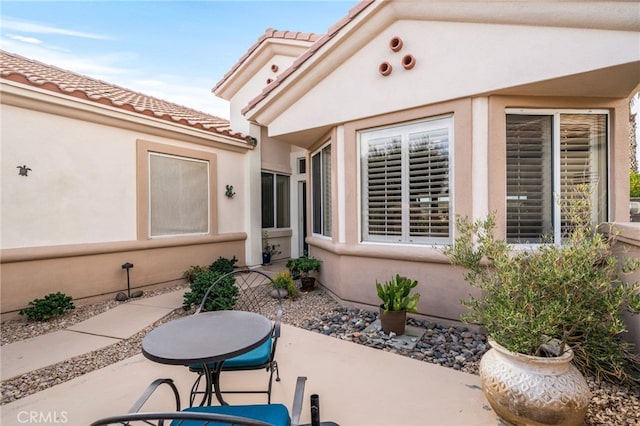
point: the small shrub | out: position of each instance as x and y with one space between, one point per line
395 296
52 305
190 274
222 297
223 265
283 280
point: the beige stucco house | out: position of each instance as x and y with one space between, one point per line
408 113
95 176
360 145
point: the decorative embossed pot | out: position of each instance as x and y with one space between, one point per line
530 390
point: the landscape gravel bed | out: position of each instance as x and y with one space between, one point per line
455 347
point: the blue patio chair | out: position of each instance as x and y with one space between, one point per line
246 415
254 294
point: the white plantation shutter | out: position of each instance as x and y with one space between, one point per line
405 182
178 195
547 156
429 183
582 160
529 186
384 188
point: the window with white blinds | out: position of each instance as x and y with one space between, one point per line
321 191
178 195
406 182
548 155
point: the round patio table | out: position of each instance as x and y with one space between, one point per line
207 339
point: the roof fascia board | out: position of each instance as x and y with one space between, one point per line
258 58
607 15
42 100
602 15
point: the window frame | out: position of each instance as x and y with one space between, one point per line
152 154
556 182
421 125
143 148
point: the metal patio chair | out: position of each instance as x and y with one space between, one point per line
246 415
254 294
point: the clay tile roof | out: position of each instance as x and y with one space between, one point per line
268 34
27 71
318 43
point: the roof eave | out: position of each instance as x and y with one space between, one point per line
287 88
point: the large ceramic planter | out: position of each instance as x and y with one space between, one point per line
529 390
393 321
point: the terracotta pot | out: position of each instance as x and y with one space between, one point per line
393 321
530 390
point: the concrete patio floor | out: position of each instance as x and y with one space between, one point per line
357 385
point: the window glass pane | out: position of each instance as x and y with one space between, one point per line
405 182
548 156
429 183
583 140
316 193
267 200
321 192
326 191
529 178
282 201
383 199
178 195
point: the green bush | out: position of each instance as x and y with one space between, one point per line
190 274
222 297
634 180
223 265
570 293
283 280
52 305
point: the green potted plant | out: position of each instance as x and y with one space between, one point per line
283 283
304 265
542 308
397 300
268 250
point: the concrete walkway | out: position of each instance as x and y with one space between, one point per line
357 385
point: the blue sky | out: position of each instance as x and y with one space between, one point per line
174 50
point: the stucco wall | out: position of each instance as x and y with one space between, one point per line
80 189
80 213
86 272
82 186
627 246
351 267
488 58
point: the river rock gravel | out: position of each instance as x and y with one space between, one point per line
456 347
